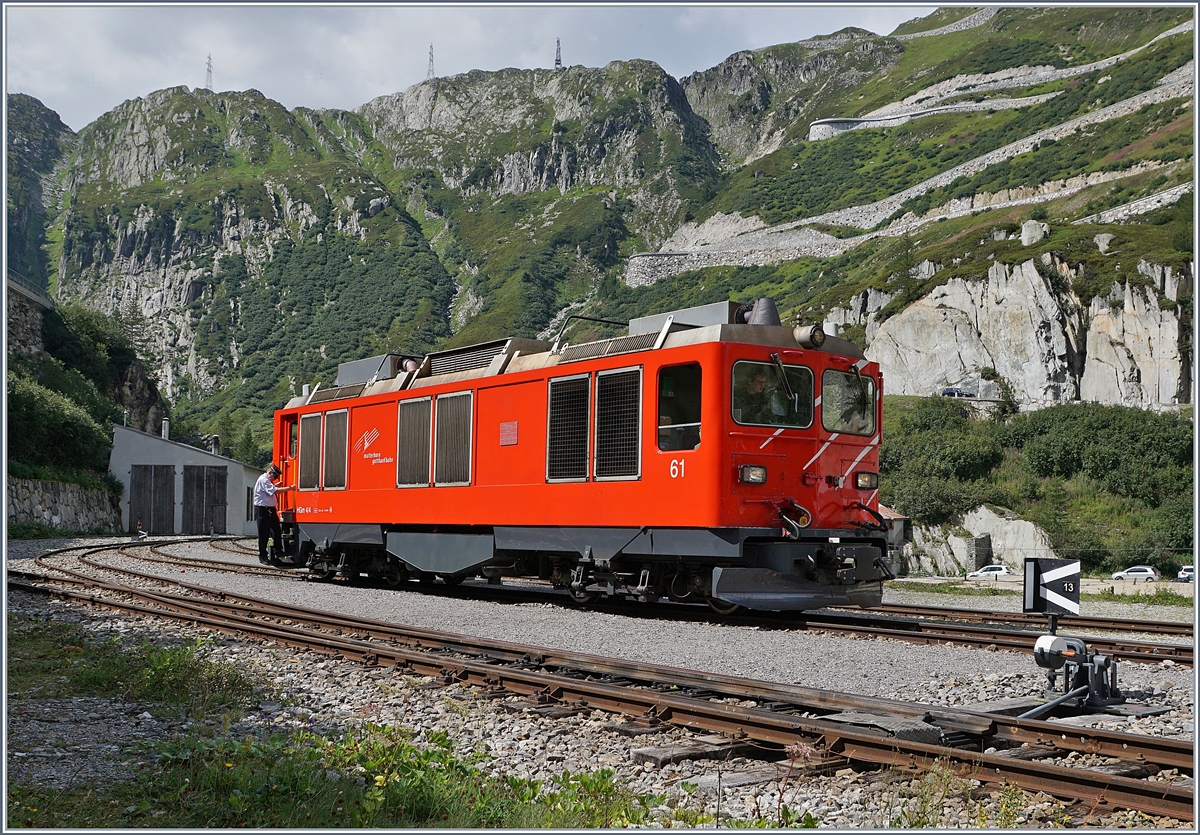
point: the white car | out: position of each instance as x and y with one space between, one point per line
990 571
1145 573
1186 574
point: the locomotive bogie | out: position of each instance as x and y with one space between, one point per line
730 463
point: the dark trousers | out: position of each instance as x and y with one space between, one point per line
268 526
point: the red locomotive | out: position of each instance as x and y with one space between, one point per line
711 455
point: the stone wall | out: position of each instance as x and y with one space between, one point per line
65 507
24 324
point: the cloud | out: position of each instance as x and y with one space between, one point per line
82 61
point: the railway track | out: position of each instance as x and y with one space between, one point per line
839 726
1037 621
891 623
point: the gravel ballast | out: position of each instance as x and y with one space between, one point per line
307 690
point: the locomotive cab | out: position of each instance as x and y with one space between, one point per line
711 455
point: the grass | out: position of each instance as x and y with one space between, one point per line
1162 596
955 587
35 530
370 776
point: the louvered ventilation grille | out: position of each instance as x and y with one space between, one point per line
323 395
310 452
618 404
609 347
567 441
452 459
336 431
465 359
412 454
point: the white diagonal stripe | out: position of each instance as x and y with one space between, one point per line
862 455
821 450
1058 573
1057 599
778 432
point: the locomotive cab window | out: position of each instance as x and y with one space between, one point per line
679 407
310 452
770 394
848 402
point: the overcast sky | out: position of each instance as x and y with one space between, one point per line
82 60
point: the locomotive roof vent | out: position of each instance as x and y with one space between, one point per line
761 312
483 355
382 367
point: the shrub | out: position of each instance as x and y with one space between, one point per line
46 428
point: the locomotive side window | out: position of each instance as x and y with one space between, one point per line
310 452
567 435
337 430
618 424
293 438
452 445
679 407
761 397
848 402
412 447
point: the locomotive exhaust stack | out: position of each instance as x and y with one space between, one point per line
712 454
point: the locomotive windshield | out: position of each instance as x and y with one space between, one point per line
848 402
760 397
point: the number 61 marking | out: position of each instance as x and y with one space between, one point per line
677 467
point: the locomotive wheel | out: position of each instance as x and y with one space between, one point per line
722 607
395 578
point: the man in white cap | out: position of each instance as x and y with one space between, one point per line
265 514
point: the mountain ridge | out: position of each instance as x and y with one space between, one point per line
498 200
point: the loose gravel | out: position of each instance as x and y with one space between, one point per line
306 690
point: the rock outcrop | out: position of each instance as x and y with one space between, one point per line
1133 355
1011 321
942 550
1048 347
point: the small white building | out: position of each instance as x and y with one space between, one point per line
173 488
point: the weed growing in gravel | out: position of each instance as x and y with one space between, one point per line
47 659
372 776
1162 596
953 587
1012 803
920 802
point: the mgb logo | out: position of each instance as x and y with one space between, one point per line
364 443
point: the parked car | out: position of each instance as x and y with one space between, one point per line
1145 573
1187 574
991 571
951 391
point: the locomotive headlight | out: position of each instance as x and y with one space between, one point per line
752 474
866 481
809 336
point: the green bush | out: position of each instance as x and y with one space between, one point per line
46 428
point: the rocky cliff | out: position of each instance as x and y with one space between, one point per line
37 141
626 126
756 102
265 245
216 216
1020 325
